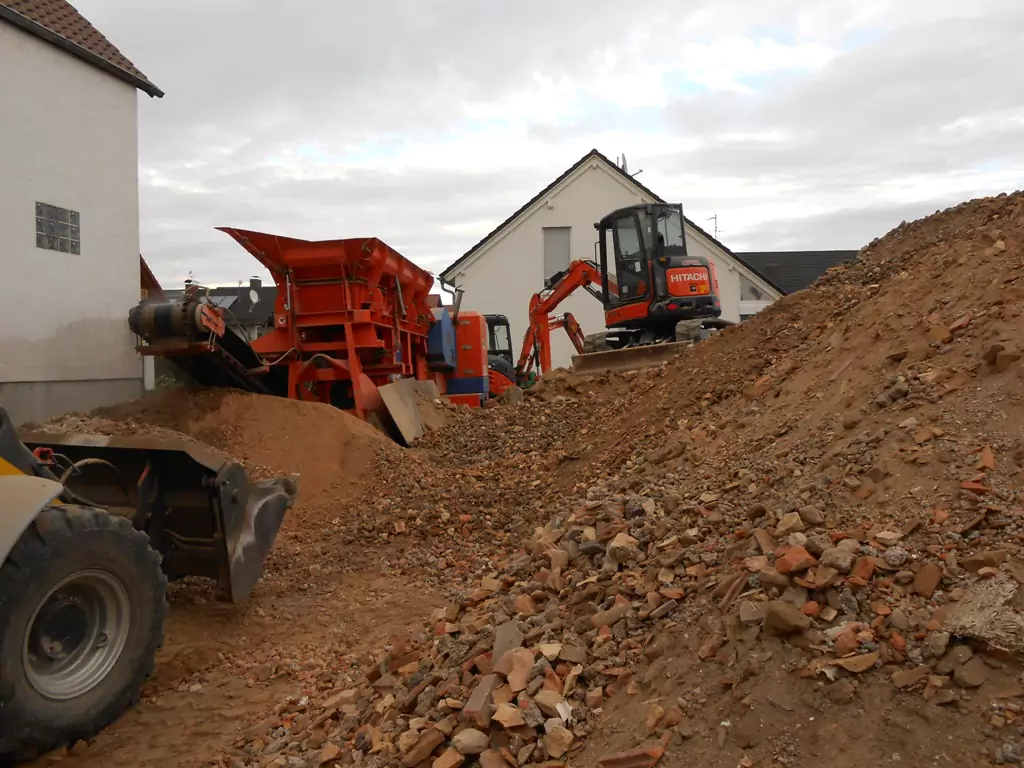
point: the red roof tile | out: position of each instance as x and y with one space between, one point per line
58 19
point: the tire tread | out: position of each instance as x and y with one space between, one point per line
38 546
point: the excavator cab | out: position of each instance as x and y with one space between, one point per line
499 337
649 282
500 370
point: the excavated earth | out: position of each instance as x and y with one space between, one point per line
797 544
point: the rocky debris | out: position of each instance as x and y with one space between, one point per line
782 619
488 676
829 493
470 741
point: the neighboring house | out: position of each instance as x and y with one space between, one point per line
793 271
69 213
501 272
247 308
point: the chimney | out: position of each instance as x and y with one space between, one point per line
255 283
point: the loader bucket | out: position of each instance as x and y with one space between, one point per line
199 509
627 358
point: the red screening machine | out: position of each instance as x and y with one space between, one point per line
351 317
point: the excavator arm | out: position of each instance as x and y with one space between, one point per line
536 349
572 329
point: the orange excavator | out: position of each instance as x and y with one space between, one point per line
657 299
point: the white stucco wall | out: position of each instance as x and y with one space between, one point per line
68 137
502 278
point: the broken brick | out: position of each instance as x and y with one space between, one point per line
795 560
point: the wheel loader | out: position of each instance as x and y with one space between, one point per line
92 528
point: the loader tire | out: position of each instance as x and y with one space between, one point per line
82 606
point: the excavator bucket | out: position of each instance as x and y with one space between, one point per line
628 358
199 509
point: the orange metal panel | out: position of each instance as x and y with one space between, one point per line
348 315
623 314
473 401
688 281
471 344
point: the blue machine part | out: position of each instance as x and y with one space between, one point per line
470 385
441 348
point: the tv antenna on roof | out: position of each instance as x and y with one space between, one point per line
714 219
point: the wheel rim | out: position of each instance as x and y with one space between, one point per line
76 634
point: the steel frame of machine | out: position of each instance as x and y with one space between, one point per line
351 316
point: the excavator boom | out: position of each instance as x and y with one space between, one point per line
536 349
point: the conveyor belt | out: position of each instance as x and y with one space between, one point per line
212 355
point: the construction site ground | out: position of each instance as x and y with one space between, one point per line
796 544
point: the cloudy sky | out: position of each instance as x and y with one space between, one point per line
800 123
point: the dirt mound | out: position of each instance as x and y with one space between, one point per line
334 453
779 528
797 543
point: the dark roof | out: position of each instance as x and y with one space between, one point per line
57 22
236 301
596 155
793 271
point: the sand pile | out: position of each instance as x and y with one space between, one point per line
335 453
779 555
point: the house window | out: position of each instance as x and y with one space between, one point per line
556 250
58 229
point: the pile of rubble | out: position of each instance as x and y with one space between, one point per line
836 483
516 673
798 543
519 671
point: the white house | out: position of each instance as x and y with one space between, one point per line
69 212
502 272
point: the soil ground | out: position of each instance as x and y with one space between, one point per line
799 543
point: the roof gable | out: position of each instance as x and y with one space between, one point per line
57 22
623 176
793 271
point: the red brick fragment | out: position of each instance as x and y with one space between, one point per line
975 487
643 757
795 560
864 568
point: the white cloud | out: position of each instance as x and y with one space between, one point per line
722 65
435 121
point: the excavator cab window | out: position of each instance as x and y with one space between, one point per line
669 225
499 338
631 275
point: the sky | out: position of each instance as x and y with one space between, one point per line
798 123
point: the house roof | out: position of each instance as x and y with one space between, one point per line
793 271
594 154
149 282
57 22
